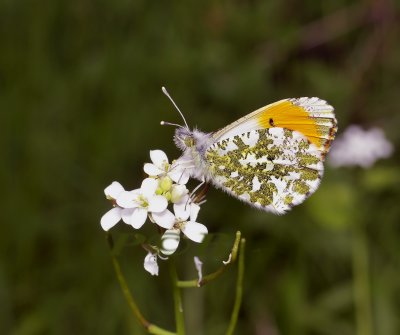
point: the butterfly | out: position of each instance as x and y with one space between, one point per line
271 158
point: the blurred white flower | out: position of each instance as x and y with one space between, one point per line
114 215
185 222
170 241
143 201
150 264
359 147
160 167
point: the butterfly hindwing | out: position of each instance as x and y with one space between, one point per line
272 169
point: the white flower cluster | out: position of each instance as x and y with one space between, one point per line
165 187
360 147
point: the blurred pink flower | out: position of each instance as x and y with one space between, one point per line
358 147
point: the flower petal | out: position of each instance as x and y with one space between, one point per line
138 217
149 187
164 219
152 170
111 218
127 199
112 191
157 203
194 211
185 177
159 158
179 175
126 214
150 264
194 231
182 210
170 241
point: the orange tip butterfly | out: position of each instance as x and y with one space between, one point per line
271 158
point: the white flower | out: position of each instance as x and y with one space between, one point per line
160 167
114 215
360 147
143 201
193 230
150 264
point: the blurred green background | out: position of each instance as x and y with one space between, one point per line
80 104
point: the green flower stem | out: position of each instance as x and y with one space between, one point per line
362 289
179 320
151 329
216 274
239 290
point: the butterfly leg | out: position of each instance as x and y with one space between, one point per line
199 198
196 188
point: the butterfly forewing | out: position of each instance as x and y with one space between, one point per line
272 169
313 117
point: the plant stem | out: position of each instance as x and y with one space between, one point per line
128 296
216 274
239 290
362 289
152 329
179 320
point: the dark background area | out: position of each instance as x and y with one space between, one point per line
80 105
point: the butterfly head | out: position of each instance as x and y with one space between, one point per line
194 140
184 138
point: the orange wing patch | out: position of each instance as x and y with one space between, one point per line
312 117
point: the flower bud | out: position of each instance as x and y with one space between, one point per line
178 192
166 183
167 196
150 264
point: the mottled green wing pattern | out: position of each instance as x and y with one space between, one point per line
272 169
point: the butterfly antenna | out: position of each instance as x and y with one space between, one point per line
173 102
165 123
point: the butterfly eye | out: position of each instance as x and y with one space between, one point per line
189 141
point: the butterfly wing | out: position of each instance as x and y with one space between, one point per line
272 158
312 117
272 169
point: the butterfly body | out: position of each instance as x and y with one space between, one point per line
194 144
271 158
